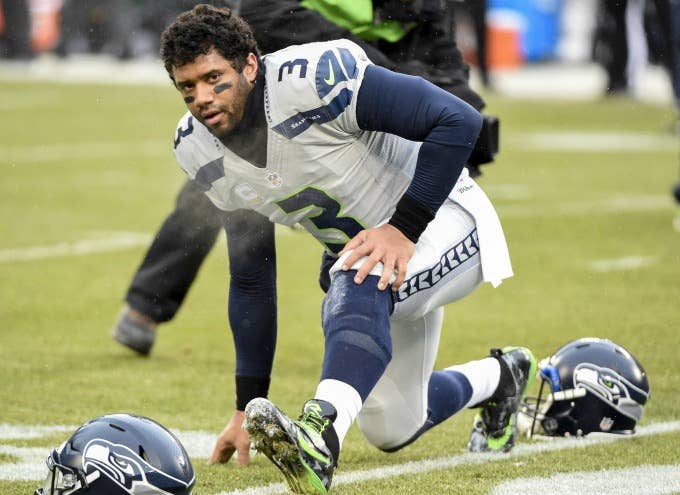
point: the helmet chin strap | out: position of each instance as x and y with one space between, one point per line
538 402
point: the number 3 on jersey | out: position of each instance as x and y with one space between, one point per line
327 219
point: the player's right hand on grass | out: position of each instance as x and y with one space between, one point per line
232 439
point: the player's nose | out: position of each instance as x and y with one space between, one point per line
204 94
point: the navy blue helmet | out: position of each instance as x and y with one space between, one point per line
119 454
593 385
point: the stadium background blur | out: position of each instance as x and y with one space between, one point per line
572 39
581 184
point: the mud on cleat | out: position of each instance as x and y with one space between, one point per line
495 426
305 451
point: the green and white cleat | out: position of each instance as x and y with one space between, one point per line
495 426
305 451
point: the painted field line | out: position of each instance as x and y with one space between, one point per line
109 242
622 264
593 142
29 464
650 480
513 192
24 432
428 465
65 153
606 206
113 241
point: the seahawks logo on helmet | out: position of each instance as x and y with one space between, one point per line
126 468
611 387
594 385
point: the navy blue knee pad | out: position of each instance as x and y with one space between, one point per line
356 323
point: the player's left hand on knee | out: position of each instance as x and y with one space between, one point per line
384 244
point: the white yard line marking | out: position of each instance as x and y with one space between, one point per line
118 241
23 432
104 243
424 466
592 142
650 480
622 264
30 465
512 192
613 205
113 241
39 154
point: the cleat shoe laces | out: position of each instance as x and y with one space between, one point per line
495 426
305 451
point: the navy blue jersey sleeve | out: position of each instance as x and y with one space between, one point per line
252 291
416 109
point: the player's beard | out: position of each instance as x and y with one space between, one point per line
232 113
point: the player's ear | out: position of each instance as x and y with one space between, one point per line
250 69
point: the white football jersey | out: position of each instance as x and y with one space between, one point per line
322 170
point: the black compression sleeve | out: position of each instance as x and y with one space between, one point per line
417 110
248 388
252 291
411 217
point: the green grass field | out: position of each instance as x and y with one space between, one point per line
582 189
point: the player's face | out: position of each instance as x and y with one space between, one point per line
214 91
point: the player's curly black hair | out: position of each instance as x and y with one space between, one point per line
197 31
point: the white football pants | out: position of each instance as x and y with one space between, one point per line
444 268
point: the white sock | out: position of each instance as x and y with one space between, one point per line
345 399
483 376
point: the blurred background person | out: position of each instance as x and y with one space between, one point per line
675 54
676 195
620 44
629 34
675 36
15 39
98 26
417 38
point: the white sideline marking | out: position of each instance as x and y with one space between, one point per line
113 241
592 142
622 264
199 444
31 460
418 467
650 480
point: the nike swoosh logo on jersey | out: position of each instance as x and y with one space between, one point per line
330 80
